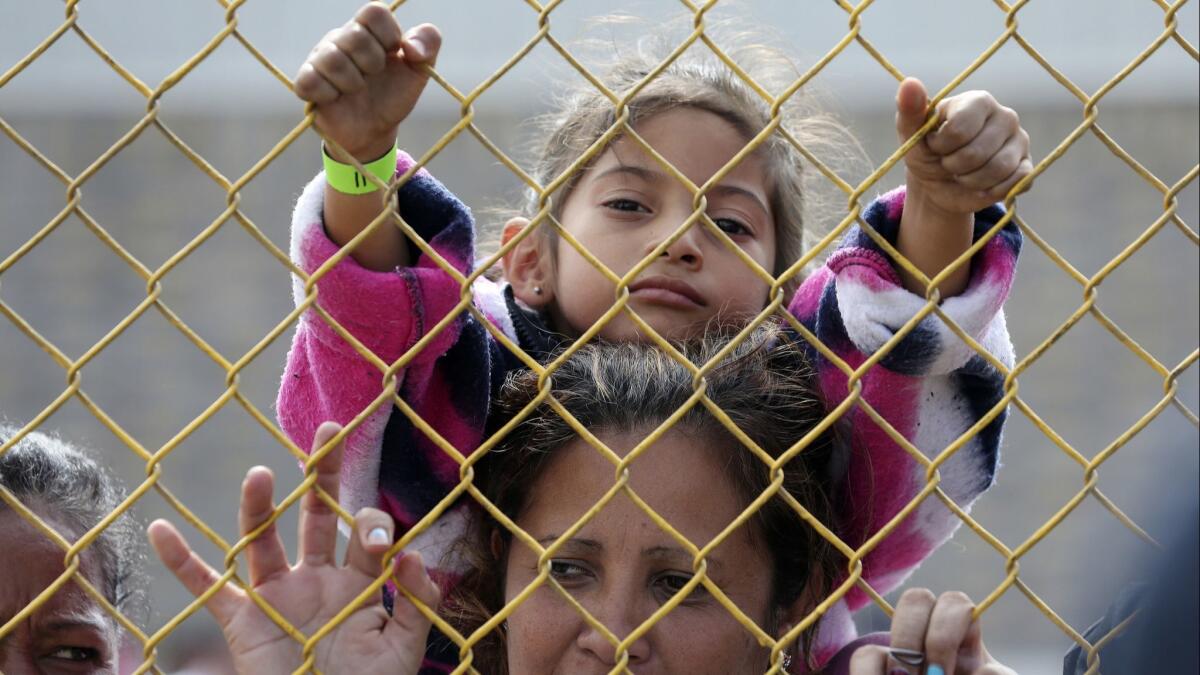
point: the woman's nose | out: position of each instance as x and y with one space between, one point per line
618 616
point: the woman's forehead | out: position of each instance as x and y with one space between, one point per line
40 562
676 476
15 526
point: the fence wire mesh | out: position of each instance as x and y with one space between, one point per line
74 27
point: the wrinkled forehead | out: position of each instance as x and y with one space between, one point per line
38 562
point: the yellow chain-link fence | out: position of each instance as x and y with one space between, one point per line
74 27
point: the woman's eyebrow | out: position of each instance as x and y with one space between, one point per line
580 543
676 553
673 553
75 623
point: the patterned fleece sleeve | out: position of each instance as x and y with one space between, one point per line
325 377
931 387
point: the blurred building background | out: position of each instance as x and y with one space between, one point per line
153 381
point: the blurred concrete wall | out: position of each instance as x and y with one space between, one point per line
1088 40
152 381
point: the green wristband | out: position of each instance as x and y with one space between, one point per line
346 179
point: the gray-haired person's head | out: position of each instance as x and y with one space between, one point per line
60 483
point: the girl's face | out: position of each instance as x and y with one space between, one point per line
626 204
622 567
70 632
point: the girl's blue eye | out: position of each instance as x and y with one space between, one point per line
625 205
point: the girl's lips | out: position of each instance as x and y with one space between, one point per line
668 292
662 296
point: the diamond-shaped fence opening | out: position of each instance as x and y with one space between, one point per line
218 261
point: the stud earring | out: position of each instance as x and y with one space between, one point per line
537 290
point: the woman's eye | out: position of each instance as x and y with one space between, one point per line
671 584
75 654
731 227
563 570
626 205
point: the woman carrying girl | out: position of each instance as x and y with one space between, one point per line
365 78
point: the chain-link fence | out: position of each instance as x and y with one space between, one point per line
156 278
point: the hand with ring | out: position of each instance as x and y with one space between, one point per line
931 635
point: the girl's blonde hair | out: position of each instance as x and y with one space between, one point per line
700 80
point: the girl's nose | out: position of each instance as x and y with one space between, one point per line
686 250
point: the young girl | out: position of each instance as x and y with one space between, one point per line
622 206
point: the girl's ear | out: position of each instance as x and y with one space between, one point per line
791 615
497 545
528 267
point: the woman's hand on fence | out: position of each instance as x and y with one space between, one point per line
977 153
309 594
941 628
365 77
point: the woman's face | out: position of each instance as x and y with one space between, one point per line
70 632
622 567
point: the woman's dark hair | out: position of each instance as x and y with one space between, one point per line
59 482
765 386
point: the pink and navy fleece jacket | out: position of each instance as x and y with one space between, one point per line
931 387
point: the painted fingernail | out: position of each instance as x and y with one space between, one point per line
378 536
935 670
